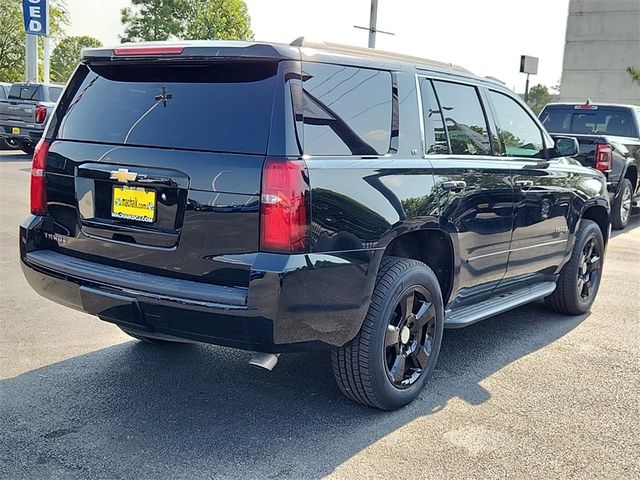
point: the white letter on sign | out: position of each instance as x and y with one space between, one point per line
34 12
35 26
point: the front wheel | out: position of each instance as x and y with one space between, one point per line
580 277
621 207
390 360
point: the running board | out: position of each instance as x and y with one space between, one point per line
474 313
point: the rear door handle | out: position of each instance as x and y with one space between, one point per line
454 185
524 184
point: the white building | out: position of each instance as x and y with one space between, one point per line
602 42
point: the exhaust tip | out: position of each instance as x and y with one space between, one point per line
266 361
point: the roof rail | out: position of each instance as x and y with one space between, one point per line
489 77
371 52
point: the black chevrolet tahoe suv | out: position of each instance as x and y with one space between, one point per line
277 198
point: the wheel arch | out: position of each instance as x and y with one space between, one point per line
431 246
599 214
632 174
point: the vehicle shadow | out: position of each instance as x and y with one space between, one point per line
184 411
9 156
634 222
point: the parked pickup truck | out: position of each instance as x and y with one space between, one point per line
4 94
609 140
23 115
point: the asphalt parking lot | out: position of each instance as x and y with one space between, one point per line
526 394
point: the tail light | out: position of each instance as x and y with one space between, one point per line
41 114
603 157
284 219
38 187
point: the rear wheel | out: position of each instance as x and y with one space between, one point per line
580 277
621 207
8 144
390 360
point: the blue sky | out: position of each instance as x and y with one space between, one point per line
485 36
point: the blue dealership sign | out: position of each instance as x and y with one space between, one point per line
36 16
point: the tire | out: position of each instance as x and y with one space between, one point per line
27 148
580 278
11 144
621 207
364 368
145 339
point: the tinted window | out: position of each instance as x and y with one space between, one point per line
435 136
3 95
25 92
347 110
592 121
223 107
518 132
54 93
464 118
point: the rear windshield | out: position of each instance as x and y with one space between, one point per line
25 92
594 121
222 107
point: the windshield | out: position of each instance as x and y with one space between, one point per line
224 106
593 121
25 92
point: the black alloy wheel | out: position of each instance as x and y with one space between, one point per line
408 342
589 269
391 359
579 280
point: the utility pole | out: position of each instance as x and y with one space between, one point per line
373 22
373 25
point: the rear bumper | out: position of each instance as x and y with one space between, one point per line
29 134
293 302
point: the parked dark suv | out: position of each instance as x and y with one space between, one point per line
290 197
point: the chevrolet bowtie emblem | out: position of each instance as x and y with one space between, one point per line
123 175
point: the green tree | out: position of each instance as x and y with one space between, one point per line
539 96
12 36
154 20
66 55
219 20
180 19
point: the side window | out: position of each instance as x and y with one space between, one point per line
435 136
347 110
520 135
464 119
3 96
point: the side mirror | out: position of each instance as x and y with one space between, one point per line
565 147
